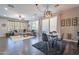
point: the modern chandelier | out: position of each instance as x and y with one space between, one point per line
47 12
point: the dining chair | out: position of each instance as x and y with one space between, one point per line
45 39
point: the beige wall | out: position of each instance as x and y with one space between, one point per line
3 29
71 13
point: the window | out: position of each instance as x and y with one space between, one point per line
34 25
53 24
45 27
12 25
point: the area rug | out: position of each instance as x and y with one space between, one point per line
18 38
43 48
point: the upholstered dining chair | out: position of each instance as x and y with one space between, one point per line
45 39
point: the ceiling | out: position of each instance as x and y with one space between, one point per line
30 11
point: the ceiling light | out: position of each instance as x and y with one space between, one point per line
47 14
6 9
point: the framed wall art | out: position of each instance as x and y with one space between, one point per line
74 21
62 23
68 22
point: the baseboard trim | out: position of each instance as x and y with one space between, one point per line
70 40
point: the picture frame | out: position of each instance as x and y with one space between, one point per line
68 22
3 25
63 23
74 21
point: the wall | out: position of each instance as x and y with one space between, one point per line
3 29
71 13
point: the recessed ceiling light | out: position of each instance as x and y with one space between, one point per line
6 9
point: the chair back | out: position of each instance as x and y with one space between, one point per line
44 37
15 31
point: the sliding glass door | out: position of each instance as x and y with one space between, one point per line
33 25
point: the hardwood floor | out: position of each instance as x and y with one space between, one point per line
24 47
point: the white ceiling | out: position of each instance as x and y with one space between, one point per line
30 11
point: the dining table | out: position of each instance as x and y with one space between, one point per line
53 35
